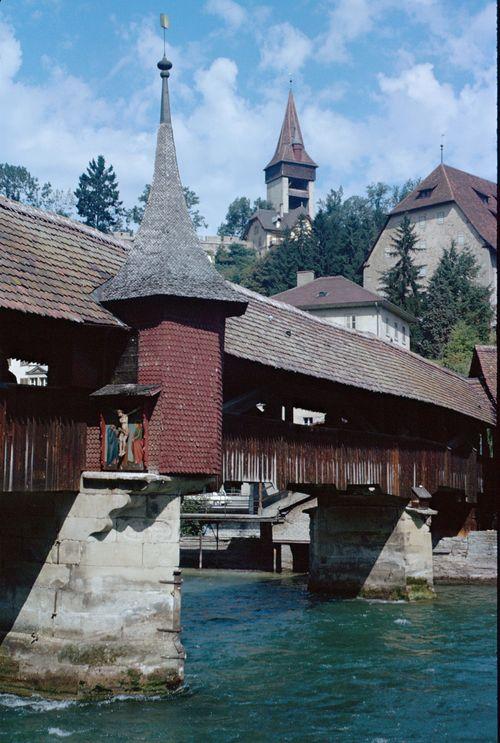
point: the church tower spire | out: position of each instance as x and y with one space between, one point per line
291 173
167 258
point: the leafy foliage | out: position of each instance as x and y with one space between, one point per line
189 505
400 283
239 212
135 215
457 352
17 183
235 262
98 198
453 294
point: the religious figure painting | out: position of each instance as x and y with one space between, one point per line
123 436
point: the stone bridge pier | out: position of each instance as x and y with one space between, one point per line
368 544
90 588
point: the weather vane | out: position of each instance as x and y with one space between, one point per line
442 147
164 23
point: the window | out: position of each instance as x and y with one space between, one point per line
403 330
440 217
388 252
460 239
353 322
424 193
396 331
422 272
484 198
387 327
421 221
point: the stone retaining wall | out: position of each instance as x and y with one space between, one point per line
467 559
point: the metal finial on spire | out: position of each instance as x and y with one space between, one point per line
441 147
291 81
164 65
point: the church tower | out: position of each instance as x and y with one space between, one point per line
291 173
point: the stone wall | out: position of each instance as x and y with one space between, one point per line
466 559
370 550
90 591
434 234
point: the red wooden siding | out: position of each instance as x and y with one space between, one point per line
42 438
258 449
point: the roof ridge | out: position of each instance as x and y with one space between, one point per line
54 218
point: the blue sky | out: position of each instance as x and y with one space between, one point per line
376 82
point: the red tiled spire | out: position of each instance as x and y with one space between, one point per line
290 146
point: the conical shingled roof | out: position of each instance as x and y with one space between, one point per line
291 135
166 257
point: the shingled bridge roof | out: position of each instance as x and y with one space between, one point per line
50 265
284 337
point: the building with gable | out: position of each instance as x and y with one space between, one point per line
290 177
449 204
342 302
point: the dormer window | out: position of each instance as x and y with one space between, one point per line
424 193
322 294
484 197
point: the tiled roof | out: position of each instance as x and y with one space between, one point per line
49 265
335 291
290 147
450 184
484 366
288 220
281 336
166 257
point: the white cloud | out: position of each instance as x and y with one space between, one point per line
233 15
284 48
348 19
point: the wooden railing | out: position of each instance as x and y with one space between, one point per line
265 450
43 434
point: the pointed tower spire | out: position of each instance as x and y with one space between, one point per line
167 258
291 173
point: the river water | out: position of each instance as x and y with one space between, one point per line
269 662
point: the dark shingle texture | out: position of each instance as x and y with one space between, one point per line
166 257
286 338
450 184
49 265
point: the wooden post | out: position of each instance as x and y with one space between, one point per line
217 544
200 557
259 511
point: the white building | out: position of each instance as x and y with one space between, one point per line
28 372
342 302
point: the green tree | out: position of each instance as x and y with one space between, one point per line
400 283
135 215
453 293
239 212
98 199
235 262
277 270
17 183
457 352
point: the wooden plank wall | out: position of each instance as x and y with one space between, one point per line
259 449
42 438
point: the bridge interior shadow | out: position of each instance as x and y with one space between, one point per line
29 529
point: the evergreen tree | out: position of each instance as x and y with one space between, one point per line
235 262
135 215
400 283
277 270
98 199
454 294
457 352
